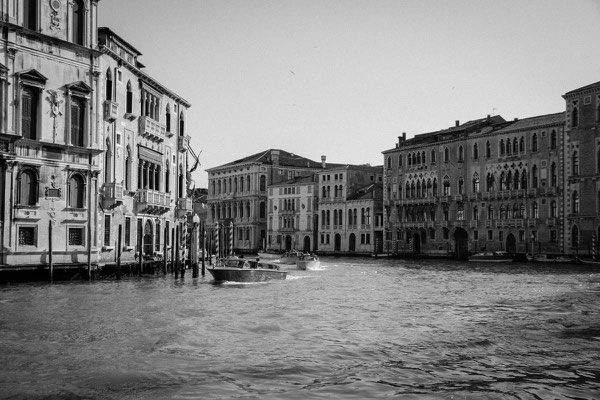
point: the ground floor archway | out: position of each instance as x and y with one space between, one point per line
416 243
288 243
352 242
148 238
306 248
511 244
461 243
338 242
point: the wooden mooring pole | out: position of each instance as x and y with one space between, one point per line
50 251
176 244
119 248
165 251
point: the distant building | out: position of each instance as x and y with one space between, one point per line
293 213
487 184
582 165
350 209
237 193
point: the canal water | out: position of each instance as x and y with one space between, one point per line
356 329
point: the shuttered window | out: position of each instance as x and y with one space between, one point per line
27 188
29 114
77 108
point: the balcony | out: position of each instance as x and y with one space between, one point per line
151 129
474 196
152 201
551 221
184 205
113 194
473 223
183 143
111 110
458 197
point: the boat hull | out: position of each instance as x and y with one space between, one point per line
246 275
268 256
304 265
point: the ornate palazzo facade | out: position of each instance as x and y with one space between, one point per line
484 185
85 148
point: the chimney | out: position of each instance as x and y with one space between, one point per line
457 123
488 118
323 163
275 157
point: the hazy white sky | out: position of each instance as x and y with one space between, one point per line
344 78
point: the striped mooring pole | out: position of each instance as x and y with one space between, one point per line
231 238
594 246
217 239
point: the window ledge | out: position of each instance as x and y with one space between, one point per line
127 248
108 248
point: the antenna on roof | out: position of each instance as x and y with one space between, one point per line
493 111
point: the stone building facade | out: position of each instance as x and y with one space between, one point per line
484 185
582 162
238 196
86 146
144 182
50 145
350 209
293 215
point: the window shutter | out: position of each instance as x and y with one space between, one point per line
26 116
76 137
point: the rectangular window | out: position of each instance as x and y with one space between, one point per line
475 235
501 236
368 238
553 236
27 236
521 236
76 237
107 230
127 231
490 235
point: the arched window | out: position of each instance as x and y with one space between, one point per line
553 140
418 188
515 146
350 216
429 189
522 145
77 121
435 191
553 176
29 113
534 176
524 180
553 209
502 181
414 159
129 104
475 151
389 162
400 161
328 217
490 212
534 142
28 188
460 212
461 185
475 213
509 180
516 180
76 191
446 155
446 186
433 156
575 114
475 183
502 149
423 157
508 147
262 209
522 211
78 22
418 157
181 124
248 183
575 202
575 163
108 87
407 192
489 182
488 149
534 210
408 158
323 220
502 212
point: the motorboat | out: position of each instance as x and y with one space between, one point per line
589 261
308 261
267 255
492 256
290 257
550 258
235 269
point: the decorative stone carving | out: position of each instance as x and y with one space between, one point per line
55 20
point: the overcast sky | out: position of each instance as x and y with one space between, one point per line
345 78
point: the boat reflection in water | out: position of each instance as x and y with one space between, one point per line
235 269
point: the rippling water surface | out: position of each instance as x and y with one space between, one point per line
357 328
